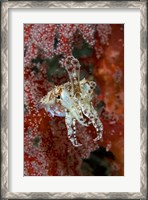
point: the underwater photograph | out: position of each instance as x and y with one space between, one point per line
73 99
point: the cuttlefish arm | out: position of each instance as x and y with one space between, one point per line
71 128
72 66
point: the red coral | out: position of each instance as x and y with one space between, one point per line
47 150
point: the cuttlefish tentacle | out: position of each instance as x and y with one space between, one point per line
70 123
88 110
93 116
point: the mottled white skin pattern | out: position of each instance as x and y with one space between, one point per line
73 100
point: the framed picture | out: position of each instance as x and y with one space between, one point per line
74 103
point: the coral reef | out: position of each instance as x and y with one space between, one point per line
99 48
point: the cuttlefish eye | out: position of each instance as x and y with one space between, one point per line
58 97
